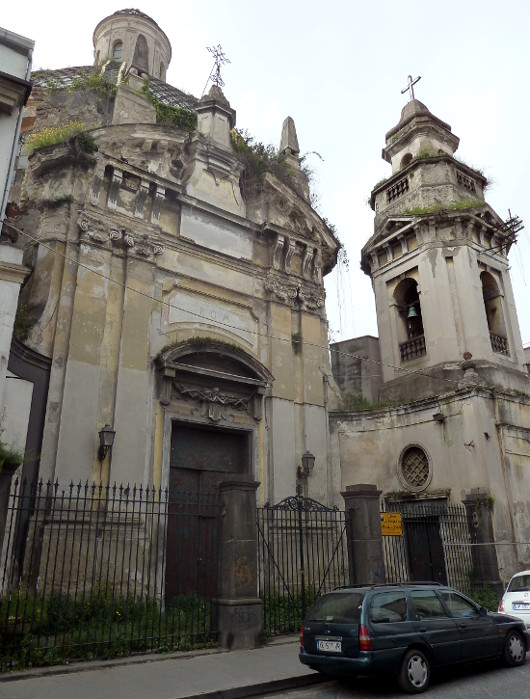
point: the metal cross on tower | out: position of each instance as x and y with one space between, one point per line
219 60
410 86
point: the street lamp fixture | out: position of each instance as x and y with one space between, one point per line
308 463
106 440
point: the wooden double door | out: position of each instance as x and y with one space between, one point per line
200 458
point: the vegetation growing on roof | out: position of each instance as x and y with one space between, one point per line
93 81
434 208
169 114
54 135
354 403
259 159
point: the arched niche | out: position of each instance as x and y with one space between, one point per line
406 160
494 312
141 54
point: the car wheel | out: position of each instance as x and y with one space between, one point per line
514 649
415 672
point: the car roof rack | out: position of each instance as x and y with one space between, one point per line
371 586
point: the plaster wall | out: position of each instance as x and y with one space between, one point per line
17 404
284 449
77 438
12 274
133 446
356 366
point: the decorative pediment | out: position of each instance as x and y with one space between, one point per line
222 379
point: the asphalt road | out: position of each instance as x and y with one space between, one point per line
478 681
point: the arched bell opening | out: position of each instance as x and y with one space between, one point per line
411 334
494 313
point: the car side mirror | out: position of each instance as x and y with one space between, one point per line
483 611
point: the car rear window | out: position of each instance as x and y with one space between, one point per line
388 607
521 583
341 607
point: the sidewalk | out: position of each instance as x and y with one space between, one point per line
204 674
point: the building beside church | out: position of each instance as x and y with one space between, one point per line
175 299
451 422
15 87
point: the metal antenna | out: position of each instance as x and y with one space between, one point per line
410 86
219 60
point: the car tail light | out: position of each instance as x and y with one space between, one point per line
501 606
365 642
302 635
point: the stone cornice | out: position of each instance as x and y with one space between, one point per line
11 272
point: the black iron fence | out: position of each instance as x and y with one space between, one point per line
92 570
302 553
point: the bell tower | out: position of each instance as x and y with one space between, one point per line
438 260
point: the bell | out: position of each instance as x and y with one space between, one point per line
412 313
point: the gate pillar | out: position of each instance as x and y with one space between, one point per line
239 609
365 545
485 573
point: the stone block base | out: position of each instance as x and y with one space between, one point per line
240 623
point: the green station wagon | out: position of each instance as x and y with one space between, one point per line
406 630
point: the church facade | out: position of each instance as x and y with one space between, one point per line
178 301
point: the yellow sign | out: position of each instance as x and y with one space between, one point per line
391 524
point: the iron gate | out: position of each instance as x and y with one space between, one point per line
435 545
302 553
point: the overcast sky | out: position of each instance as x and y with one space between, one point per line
338 67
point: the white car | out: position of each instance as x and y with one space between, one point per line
516 599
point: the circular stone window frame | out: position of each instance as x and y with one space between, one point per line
401 475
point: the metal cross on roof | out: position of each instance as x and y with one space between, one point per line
220 59
410 86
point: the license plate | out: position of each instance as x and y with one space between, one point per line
329 646
521 605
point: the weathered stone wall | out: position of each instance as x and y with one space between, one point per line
356 366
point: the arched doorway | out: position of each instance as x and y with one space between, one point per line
212 393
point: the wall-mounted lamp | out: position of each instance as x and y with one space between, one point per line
106 440
308 463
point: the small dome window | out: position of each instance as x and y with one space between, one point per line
117 51
406 159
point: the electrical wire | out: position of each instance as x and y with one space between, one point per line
326 348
